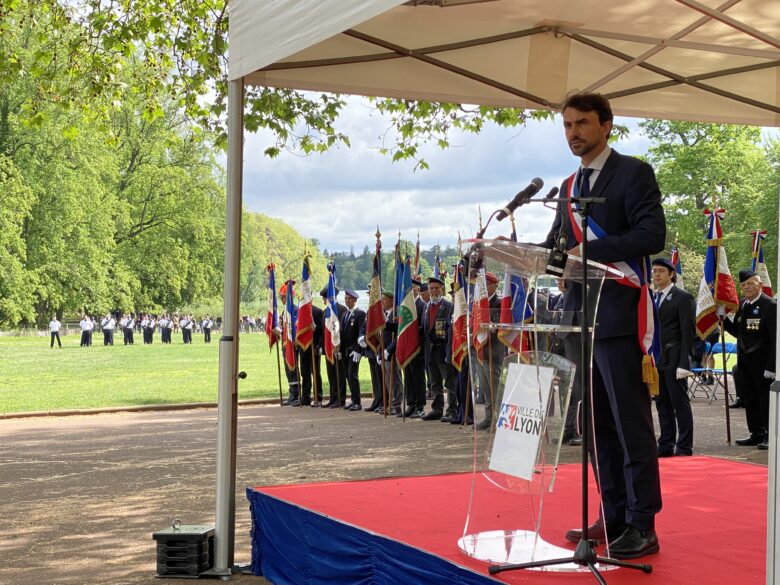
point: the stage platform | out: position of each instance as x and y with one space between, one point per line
405 530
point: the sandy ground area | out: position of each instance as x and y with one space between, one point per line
80 496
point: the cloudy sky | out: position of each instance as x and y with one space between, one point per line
339 197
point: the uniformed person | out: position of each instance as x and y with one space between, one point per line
437 321
414 372
352 322
206 324
107 324
293 385
54 329
336 372
488 371
309 360
676 309
392 373
754 327
86 326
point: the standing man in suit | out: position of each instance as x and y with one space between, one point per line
628 228
414 372
676 317
437 324
754 327
391 372
309 360
488 371
337 374
351 353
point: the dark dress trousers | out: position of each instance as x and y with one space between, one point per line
351 325
676 317
337 374
634 222
754 328
309 359
438 345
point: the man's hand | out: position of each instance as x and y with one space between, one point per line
378 359
720 311
355 356
337 355
387 356
682 373
769 375
362 342
277 331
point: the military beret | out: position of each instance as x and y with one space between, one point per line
436 280
416 281
665 263
283 289
746 274
351 293
424 287
388 293
490 277
324 292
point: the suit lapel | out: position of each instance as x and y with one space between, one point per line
606 174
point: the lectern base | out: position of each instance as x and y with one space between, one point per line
519 546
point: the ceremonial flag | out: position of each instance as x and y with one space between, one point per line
437 265
290 318
408 343
417 257
677 265
305 322
460 335
332 334
399 276
759 266
515 310
717 286
375 316
480 314
272 318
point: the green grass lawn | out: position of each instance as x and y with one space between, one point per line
34 377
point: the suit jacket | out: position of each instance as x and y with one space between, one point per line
678 328
754 328
438 336
318 317
634 222
350 329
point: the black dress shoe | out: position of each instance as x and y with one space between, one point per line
354 407
294 403
372 408
665 453
433 415
596 532
634 543
447 418
395 412
750 441
417 413
575 442
738 403
334 405
409 411
763 446
484 424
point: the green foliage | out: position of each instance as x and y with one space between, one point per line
701 166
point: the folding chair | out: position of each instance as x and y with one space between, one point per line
700 375
719 374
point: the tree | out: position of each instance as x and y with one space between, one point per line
704 165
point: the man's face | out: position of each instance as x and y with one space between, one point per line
350 301
491 288
751 288
662 277
435 290
425 295
387 302
584 133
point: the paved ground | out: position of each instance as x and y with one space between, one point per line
80 496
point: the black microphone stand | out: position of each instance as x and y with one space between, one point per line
585 553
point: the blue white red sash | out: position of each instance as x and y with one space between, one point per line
636 273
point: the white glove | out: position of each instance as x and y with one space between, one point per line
337 355
387 356
277 331
379 359
319 351
682 373
362 342
769 375
720 311
355 356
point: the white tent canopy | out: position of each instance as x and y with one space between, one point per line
710 61
699 60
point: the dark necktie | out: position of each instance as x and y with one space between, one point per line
585 174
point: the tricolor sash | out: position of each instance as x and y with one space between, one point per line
636 272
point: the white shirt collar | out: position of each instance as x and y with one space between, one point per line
598 163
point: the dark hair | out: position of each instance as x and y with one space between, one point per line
590 102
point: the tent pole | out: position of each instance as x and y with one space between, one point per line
224 538
773 510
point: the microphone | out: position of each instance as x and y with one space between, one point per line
521 198
553 192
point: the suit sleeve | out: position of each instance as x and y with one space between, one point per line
647 225
731 326
687 331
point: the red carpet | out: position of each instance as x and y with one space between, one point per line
712 528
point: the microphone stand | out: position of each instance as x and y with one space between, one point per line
585 553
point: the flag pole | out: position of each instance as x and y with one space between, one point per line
279 372
725 380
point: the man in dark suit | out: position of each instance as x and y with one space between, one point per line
629 226
676 317
754 327
488 371
414 372
351 324
309 360
437 323
337 374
